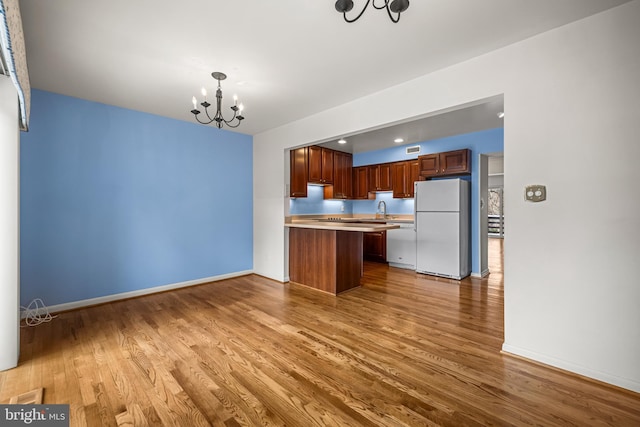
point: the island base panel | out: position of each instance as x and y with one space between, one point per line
327 260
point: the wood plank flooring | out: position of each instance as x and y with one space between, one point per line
403 350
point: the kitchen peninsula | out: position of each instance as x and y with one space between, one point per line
327 255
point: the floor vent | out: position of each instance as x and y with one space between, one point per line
413 150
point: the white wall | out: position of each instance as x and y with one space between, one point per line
9 234
572 120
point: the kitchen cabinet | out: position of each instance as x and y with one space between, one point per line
320 165
379 177
341 188
298 172
404 175
374 246
449 163
360 182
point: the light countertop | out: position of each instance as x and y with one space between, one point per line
341 225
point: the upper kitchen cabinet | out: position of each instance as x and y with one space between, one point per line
320 165
341 188
360 182
379 177
298 173
455 162
404 174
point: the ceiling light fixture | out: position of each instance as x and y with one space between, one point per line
342 141
392 6
501 115
234 122
398 140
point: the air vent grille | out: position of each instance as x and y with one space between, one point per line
413 150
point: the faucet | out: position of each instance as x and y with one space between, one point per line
384 209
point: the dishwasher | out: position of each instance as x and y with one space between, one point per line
401 246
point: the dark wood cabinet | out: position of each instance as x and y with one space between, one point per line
379 177
360 183
404 175
374 246
341 188
298 172
320 165
455 162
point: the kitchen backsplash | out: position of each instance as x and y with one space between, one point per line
315 204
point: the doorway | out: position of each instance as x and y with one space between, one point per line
491 181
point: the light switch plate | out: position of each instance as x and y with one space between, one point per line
535 193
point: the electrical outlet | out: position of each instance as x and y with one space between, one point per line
535 193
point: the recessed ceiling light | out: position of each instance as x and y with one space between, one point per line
501 114
342 141
398 140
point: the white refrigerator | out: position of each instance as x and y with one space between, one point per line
442 220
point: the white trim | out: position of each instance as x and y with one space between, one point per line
147 291
484 273
571 367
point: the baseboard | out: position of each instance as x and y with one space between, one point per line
572 368
125 295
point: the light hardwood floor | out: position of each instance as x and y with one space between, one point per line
405 349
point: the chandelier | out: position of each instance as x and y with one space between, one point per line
392 6
234 122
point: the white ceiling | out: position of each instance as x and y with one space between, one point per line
285 59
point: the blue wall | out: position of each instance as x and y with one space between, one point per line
114 200
487 141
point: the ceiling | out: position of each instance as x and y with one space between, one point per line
285 59
480 115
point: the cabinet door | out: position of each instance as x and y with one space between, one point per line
384 180
414 175
380 177
327 166
429 164
315 165
360 182
373 178
454 162
320 165
400 175
404 175
298 172
341 188
445 164
374 246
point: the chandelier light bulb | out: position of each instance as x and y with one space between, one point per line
195 102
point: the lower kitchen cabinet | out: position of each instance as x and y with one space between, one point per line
374 246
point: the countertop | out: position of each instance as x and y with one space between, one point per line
342 225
